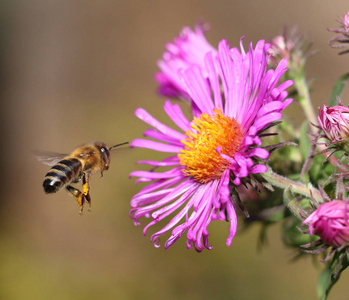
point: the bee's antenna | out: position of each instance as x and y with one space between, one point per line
117 145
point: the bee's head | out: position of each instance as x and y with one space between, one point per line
105 153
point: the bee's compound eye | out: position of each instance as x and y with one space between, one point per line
102 149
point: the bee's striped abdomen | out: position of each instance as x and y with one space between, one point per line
61 174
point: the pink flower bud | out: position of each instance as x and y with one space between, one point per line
330 223
334 121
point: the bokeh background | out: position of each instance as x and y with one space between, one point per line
75 71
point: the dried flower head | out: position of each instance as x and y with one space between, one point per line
341 41
291 45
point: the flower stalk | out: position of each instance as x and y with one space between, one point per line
304 99
279 181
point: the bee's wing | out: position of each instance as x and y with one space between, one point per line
49 158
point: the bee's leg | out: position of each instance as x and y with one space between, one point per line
88 199
86 188
85 183
80 197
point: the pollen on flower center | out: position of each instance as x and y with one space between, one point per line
199 156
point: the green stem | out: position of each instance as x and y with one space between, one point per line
304 99
282 182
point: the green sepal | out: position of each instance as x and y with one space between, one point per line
292 203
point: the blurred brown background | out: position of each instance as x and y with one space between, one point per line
75 71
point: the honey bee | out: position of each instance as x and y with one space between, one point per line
84 161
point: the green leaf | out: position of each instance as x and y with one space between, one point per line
292 236
304 144
331 274
323 282
319 170
337 89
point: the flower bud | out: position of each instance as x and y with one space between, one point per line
334 121
330 222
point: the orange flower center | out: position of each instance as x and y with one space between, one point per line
199 156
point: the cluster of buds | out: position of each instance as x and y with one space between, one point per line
330 219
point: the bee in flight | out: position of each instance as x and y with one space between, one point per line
84 161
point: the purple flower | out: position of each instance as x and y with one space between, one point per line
330 222
189 48
341 41
216 150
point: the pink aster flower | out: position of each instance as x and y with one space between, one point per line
216 150
341 41
189 48
330 222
